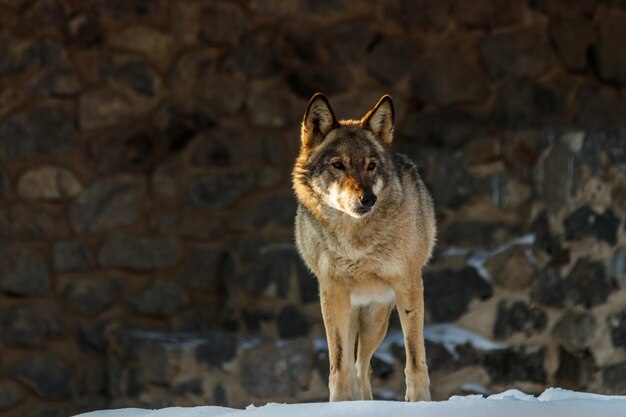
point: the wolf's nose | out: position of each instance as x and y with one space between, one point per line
368 199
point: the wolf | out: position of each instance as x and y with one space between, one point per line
365 225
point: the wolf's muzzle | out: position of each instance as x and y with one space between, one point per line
368 200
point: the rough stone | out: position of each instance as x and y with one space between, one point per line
223 93
45 14
49 376
292 323
548 288
48 183
85 30
617 326
220 398
273 212
308 80
618 266
216 350
9 395
156 45
587 284
71 256
3 183
446 305
521 151
523 103
23 55
44 410
256 319
381 368
450 184
506 366
307 284
139 253
191 68
220 190
198 319
446 77
508 193
226 147
523 53
162 299
270 108
575 331
387 61
356 40
222 23
566 7
488 13
556 189
20 221
431 15
93 295
136 12
165 181
190 387
263 363
102 108
30 325
42 129
106 204
599 107
271 270
614 378
479 235
23 272
131 73
512 268
204 269
92 337
112 153
612 29
575 370
92 380
56 82
257 56
548 243
193 223
448 127
517 316
603 148
572 37
585 221
179 122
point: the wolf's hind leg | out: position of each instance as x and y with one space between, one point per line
373 323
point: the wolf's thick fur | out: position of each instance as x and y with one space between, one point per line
365 225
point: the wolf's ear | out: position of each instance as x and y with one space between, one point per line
318 120
379 120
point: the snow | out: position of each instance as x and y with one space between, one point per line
554 402
449 335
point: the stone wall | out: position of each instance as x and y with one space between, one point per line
146 252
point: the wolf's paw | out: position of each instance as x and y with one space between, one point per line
417 389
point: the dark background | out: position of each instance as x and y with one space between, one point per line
145 157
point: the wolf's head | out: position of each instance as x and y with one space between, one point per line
345 164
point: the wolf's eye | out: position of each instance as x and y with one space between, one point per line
339 165
371 166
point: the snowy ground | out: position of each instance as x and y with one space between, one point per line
554 402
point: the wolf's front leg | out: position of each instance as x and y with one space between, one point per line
335 301
410 305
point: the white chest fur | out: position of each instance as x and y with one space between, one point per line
382 296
